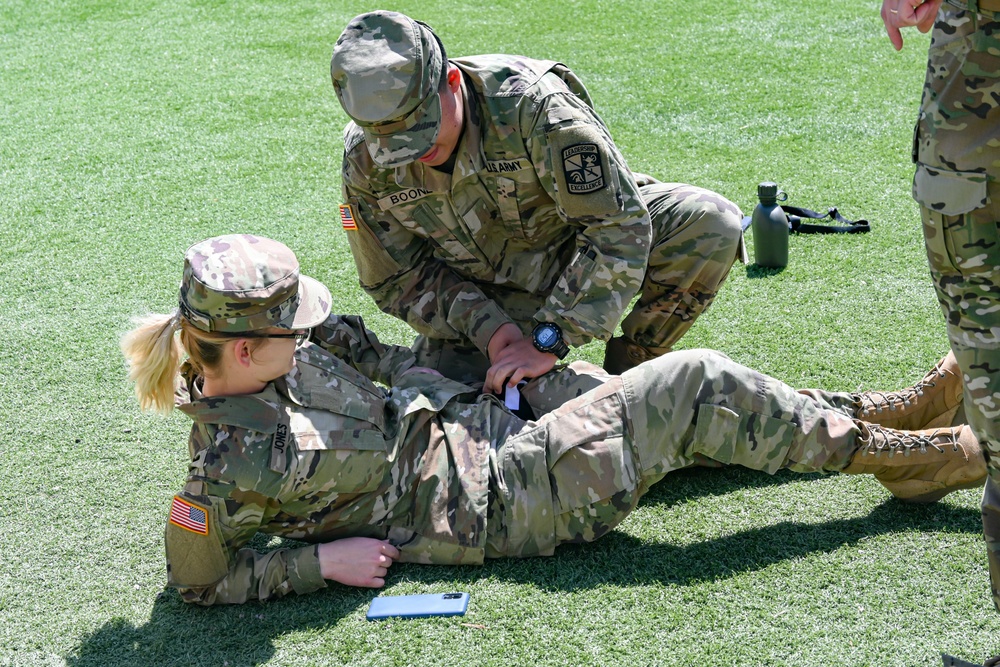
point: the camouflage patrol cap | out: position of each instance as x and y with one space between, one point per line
386 69
239 282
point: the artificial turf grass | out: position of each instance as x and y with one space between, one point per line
133 129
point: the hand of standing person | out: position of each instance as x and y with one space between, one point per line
898 14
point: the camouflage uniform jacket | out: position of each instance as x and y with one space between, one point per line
956 144
321 454
540 219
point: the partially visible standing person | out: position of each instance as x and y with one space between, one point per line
956 149
489 208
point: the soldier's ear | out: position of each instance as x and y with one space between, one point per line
242 352
454 77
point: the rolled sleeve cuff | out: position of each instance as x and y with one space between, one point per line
304 572
487 320
575 332
575 339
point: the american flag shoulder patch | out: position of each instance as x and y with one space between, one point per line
189 516
347 218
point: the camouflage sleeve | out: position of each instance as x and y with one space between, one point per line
206 563
581 168
399 270
348 338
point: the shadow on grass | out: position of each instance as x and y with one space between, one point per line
181 634
758 271
695 482
620 559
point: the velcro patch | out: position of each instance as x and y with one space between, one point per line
194 558
583 169
402 197
189 516
506 166
347 219
279 448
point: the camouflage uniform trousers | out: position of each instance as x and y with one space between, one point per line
964 256
579 470
696 240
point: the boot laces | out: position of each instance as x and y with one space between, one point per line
880 401
879 439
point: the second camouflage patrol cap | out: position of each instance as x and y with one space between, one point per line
386 69
239 282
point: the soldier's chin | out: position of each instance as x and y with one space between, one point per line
430 157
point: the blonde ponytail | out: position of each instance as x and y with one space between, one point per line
154 355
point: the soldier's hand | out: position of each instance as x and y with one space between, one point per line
357 561
517 362
507 334
898 14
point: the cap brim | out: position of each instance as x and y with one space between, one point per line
314 305
395 150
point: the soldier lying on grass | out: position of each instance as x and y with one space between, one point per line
293 437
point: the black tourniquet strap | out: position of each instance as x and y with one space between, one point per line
795 215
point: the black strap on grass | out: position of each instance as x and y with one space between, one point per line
795 224
952 661
795 215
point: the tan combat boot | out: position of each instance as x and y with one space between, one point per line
933 402
920 466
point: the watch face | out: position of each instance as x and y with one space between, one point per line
547 336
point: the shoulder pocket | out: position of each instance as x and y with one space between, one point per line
949 192
195 554
583 170
375 264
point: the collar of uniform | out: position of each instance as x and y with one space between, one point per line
416 175
256 412
470 149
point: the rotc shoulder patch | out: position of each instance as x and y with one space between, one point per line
582 168
585 171
347 218
189 516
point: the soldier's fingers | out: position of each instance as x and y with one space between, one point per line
376 582
390 551
500 381
893 13
895 37
518 375
495 377
925 15
488 382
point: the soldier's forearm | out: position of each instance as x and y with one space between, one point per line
262 576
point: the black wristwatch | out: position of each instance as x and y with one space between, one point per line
547 337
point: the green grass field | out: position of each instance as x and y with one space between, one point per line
131 129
